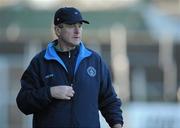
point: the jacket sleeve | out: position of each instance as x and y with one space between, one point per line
33 96
109 104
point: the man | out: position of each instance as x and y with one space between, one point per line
66 84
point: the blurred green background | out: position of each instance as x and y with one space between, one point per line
138 39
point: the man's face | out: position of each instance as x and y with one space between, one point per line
70 34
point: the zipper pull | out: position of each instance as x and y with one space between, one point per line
69 54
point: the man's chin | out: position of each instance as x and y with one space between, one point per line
74 44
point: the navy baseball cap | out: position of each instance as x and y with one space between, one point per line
68 15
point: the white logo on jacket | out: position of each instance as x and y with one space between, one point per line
91 71
49 76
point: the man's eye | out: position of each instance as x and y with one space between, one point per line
80 25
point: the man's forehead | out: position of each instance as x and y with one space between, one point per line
78 23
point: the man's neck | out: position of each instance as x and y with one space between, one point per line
64 48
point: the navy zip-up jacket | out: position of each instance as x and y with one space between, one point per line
91 83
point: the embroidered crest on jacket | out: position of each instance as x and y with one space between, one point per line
91 71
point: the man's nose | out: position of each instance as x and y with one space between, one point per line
77 29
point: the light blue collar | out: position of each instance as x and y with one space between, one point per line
52 55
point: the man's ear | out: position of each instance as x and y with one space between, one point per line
57 30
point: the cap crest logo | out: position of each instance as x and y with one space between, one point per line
75 13
91 71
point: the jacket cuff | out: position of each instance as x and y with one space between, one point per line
49 94
116 122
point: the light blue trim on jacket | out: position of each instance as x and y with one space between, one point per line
52 55
83 53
